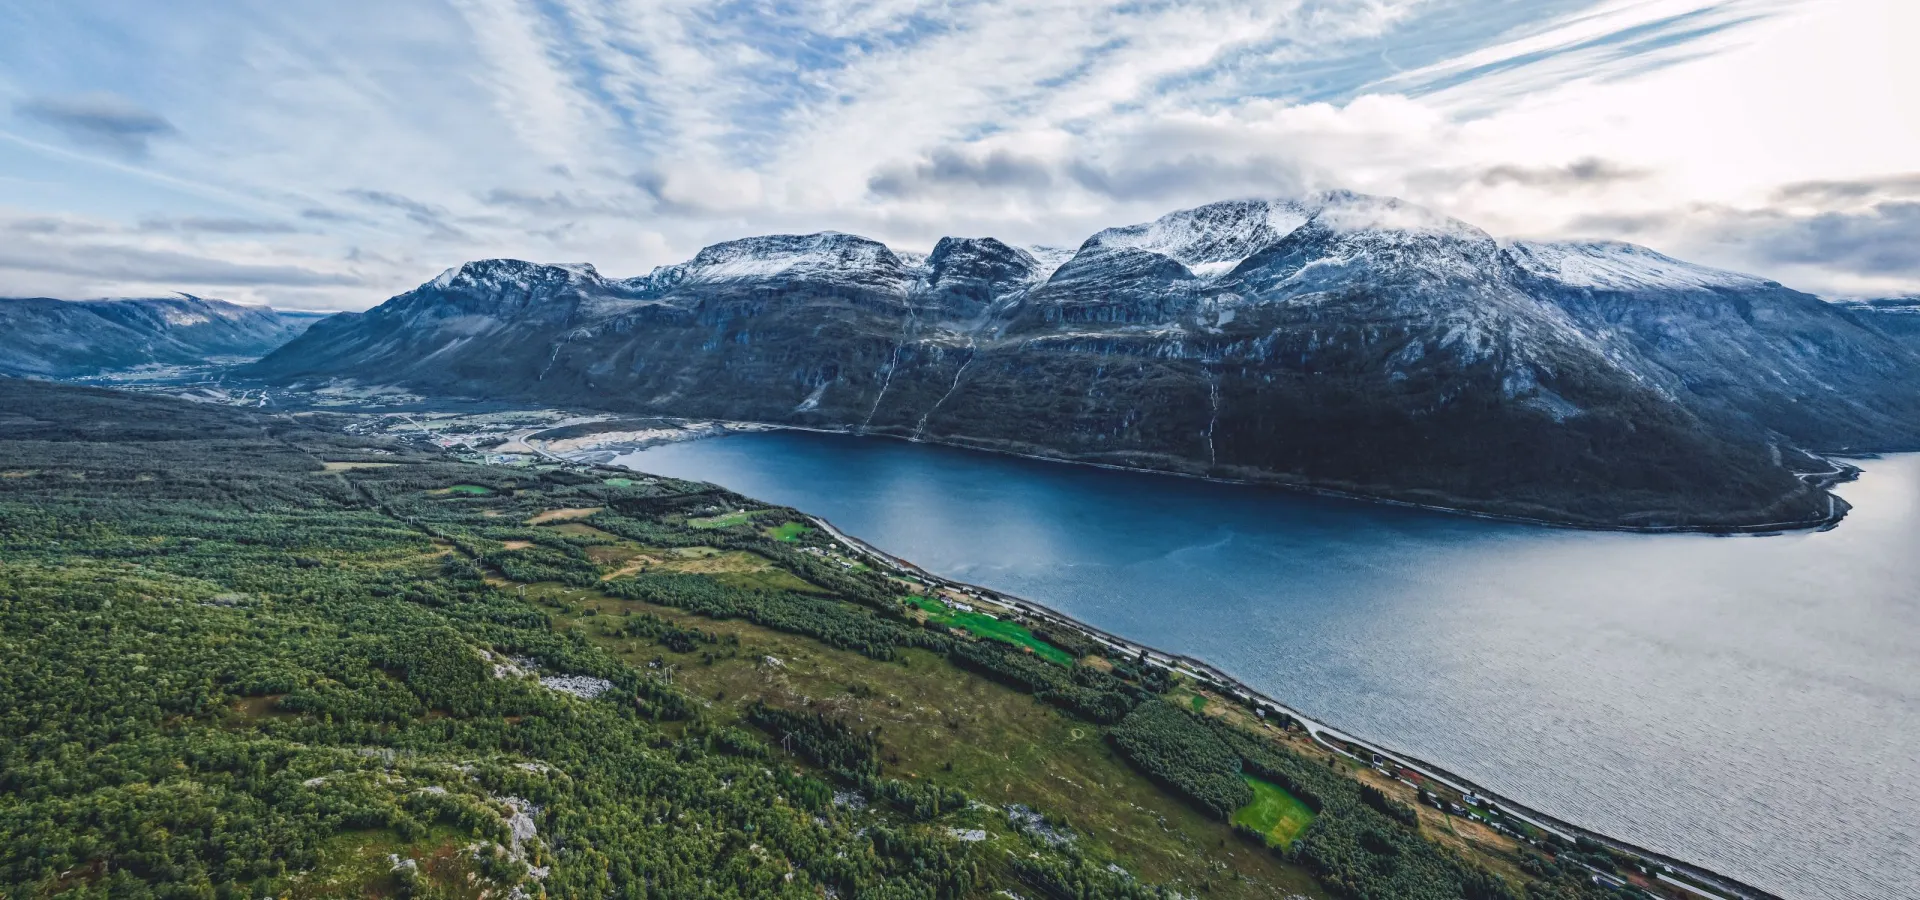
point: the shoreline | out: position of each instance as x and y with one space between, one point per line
1837 509
1319 731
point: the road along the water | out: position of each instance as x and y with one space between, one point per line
1750 704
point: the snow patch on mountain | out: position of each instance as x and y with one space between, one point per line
499 274
1048 258
913 259
184 317
1620 266
825 255
1209 240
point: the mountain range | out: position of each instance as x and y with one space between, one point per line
1340 342
49 338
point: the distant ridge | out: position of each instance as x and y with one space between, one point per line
44 337
1897 317
1339 341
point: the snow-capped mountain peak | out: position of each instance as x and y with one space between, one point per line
1620 266
1209 240
504 273
1347 212
822 255
1355 340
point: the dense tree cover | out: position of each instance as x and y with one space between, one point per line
1169 744
1364 844
1393 809
666 634
865 587
828 620
853 756
1074 877
231 672
565 563
830 743
1092 694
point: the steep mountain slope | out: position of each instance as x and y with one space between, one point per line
1339 341
58 338
1895 317
1734 347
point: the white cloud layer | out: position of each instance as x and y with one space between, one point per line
331 155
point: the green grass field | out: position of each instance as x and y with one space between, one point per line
724 520
989 627
620 482
1274 812
470 489
787 531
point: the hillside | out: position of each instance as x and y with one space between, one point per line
1342 342
1896 317
51 338
251 655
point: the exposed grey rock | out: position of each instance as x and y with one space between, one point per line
582 686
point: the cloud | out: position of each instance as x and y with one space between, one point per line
70 256
322 214
1190 177
55 225
1883 240
951 166
99 120
1613 39
114 262
433 217
557 203
1587 172
216 225
1871 249
1833 192
632 132
1187 174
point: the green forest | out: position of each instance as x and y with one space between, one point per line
250 655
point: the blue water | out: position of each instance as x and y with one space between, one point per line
1749 704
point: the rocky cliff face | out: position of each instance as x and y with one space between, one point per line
57 338
1340 341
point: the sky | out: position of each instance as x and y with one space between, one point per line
327 154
